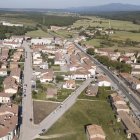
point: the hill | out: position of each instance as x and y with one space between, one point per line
107 8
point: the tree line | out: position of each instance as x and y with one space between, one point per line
120 66
7 31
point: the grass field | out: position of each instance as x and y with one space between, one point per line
116 24
121 49
37 33
55 67
84 113
64 33
26 22
122 35
93 42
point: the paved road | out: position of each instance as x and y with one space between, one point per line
27 104
116 81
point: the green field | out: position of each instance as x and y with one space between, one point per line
93 42
116 24
84 113
38 33
12 18
122 35
121 49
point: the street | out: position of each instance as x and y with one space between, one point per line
27 104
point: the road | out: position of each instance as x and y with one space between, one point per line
116 81
27 104
28 129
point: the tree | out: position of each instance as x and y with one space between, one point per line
90 51
116 50
59 78
138 59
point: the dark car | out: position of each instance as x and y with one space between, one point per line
43 130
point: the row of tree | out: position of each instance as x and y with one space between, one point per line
120 66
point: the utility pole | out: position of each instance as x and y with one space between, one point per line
109 24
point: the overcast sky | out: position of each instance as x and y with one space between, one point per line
59 3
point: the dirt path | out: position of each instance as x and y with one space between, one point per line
55 136
91 100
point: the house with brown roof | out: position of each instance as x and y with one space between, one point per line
134 82
13 65
118 103
17 56
81 56
10 85
70 49
59 58
95 132
92 90
121 107
4 54
69 84
81 74
103 81
5 98
131 129
115 98
125 59
15 73
8 121
47 76
51 93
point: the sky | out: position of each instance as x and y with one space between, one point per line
59 3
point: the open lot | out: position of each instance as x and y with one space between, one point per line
37 33
84 113
42 110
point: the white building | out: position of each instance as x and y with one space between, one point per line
42 41
36 55
3 72
104 81
78 75
5 98
11 43
59 59
37 61
44 65
4 23
70 84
